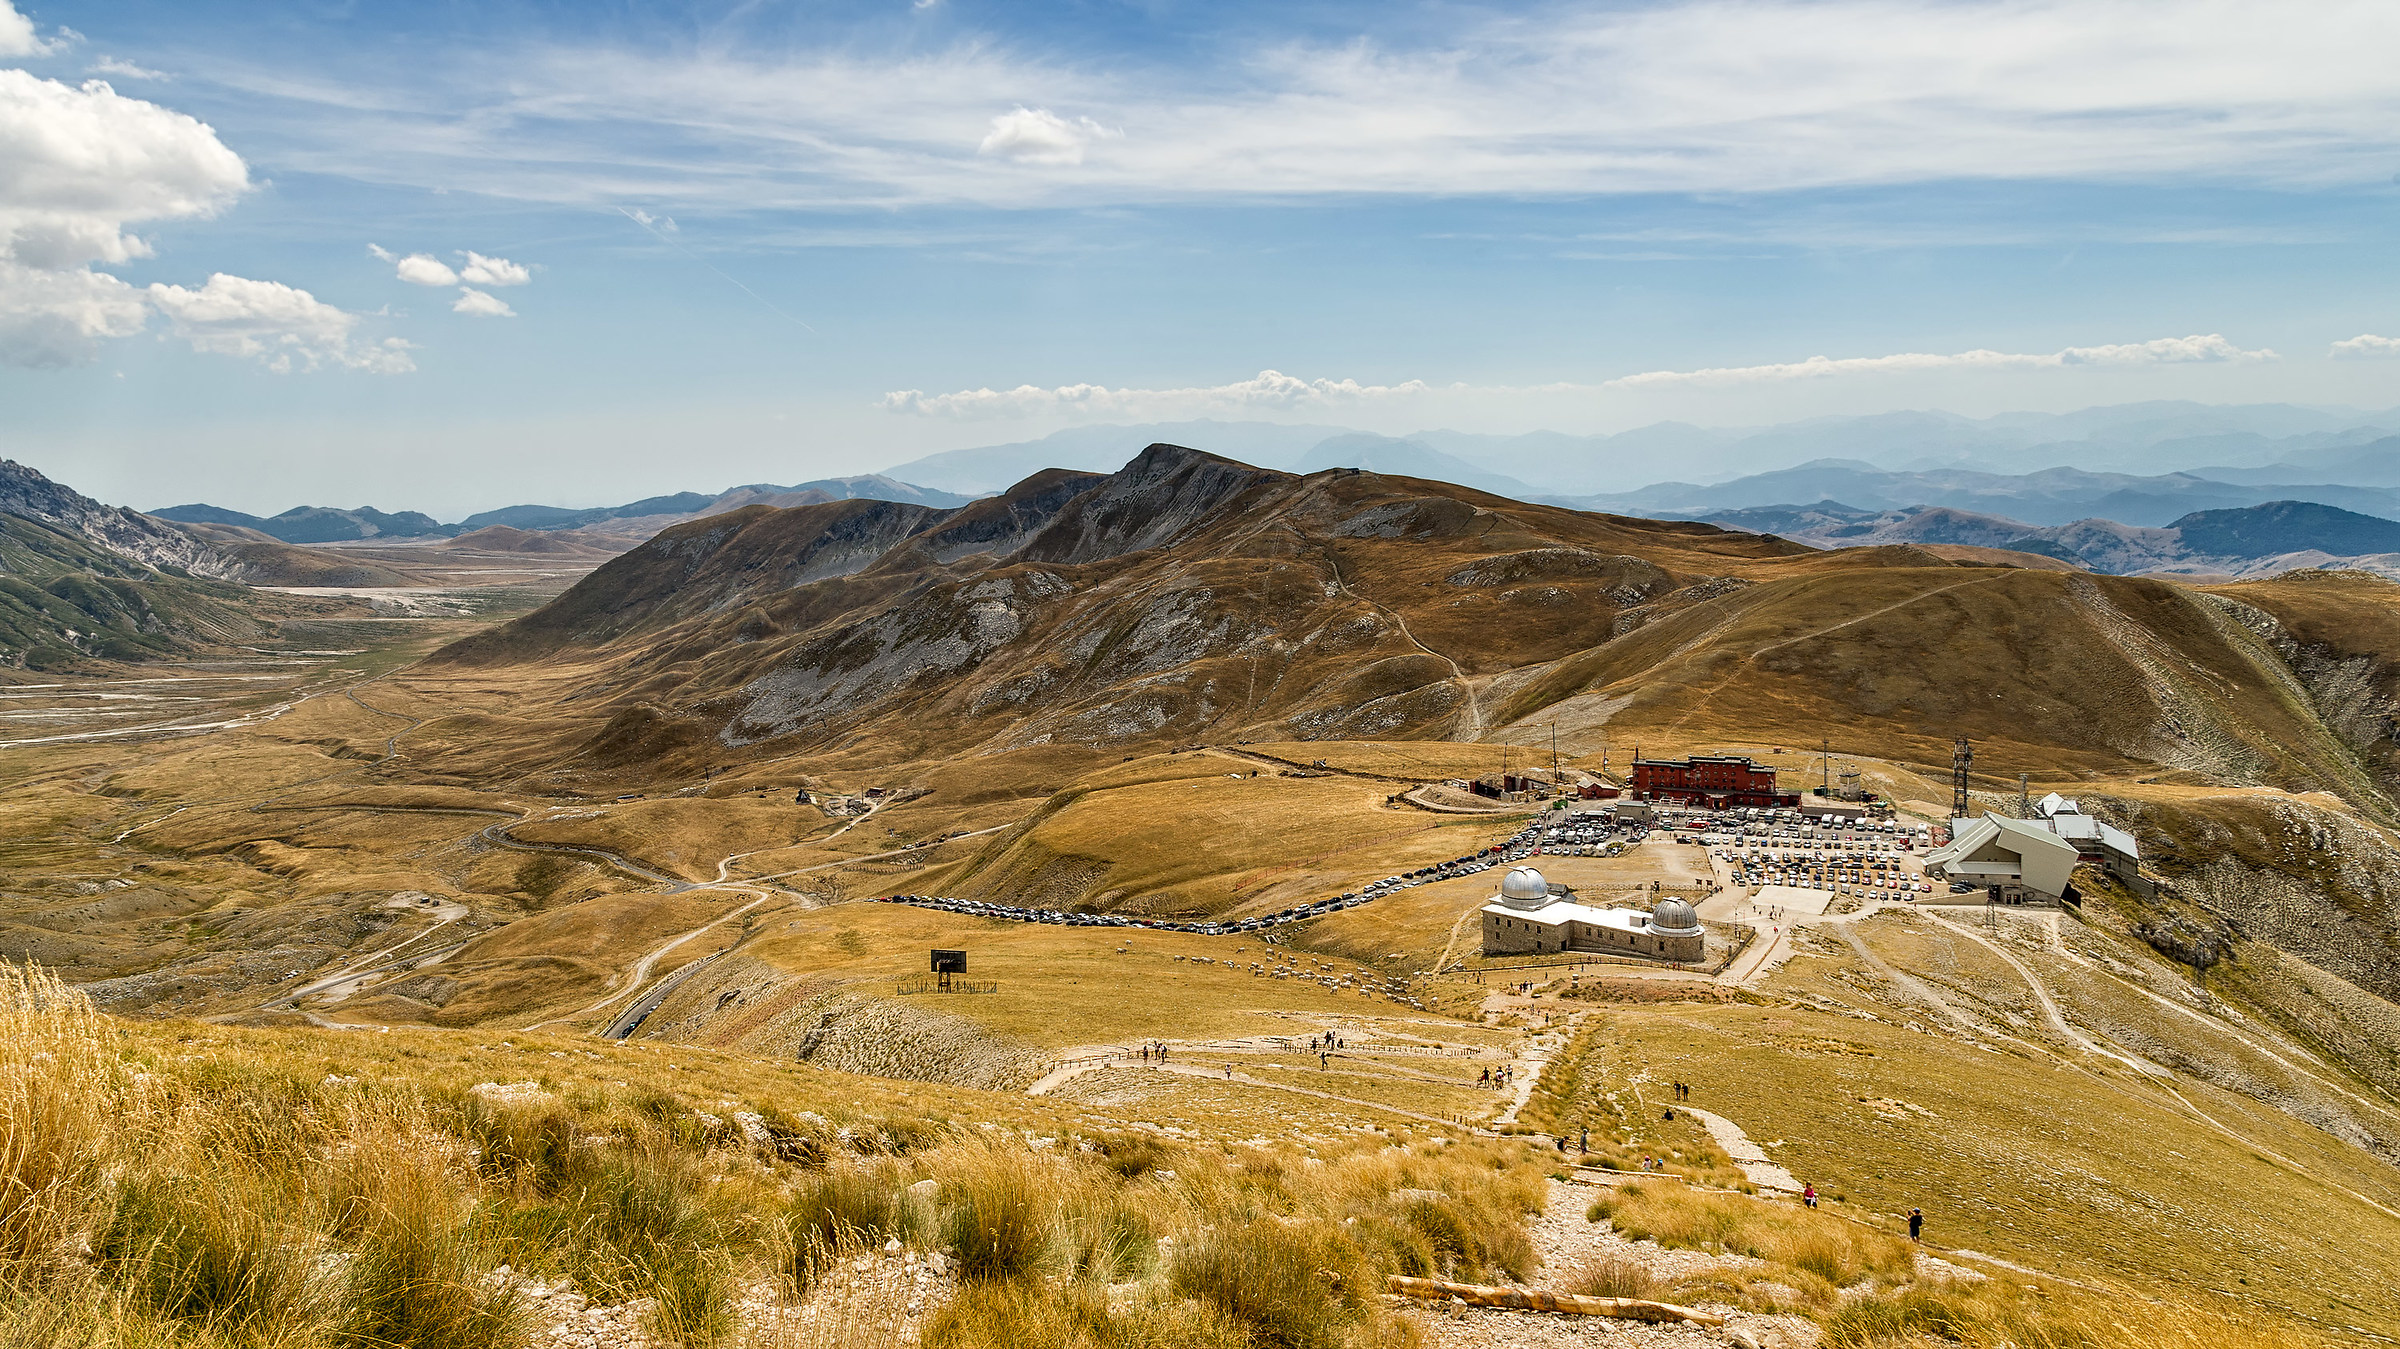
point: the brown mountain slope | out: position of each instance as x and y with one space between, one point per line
1184 596
1188 597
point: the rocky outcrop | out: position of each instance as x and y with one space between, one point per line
129 534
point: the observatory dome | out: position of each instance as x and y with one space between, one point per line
1524 888
1674 918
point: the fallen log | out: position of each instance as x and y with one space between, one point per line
1542 1300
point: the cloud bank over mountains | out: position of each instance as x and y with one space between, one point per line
1272 391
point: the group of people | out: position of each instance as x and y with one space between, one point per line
1683 1091
1498 1077
1154 1053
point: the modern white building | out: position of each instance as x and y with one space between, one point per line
2019 858
1532 917
2103 843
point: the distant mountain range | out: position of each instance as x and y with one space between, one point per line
328 524
2051 496
2253 445
2265 539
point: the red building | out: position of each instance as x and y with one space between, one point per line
1717 781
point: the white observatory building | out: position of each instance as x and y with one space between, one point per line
1530 916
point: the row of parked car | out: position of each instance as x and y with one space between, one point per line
1499 854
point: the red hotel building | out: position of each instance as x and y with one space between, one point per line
1717 781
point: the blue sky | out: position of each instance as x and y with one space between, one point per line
876 230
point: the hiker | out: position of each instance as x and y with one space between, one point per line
1145 1053
1583 1141
1229 1072
1916 1224
1485 1080
1320 1060
1670 1115
1808 1195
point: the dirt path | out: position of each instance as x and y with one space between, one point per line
1760 1169
639 973
1474 705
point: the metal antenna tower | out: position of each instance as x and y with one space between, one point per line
1962 758
1826 753
2024 799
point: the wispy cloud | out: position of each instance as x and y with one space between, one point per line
2211 347
1272 391
126 70
1269 390
1705 96
481 304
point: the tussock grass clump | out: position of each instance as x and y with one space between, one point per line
1076 1316
59 1082
212 1252
1997 1315
1289 1286
999 1218
1816 1243
1615 1276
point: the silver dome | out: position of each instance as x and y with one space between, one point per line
1524 888
1674 918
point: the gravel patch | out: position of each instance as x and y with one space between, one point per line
1564 1240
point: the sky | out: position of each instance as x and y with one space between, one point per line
446 256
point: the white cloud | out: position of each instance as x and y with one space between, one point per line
78 166
1040 136
51 318
2161 351
1273 391
1270 390
17 37
1578 98
281 326
485 271
417 269
476 302
2366 347
127 70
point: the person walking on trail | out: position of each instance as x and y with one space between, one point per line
1808 1195
1583 1141
1320 1060
1916 1224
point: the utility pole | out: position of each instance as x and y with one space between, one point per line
1554 756
2024 799
1962 758
1827 755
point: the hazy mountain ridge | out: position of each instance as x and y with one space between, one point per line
2254 540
